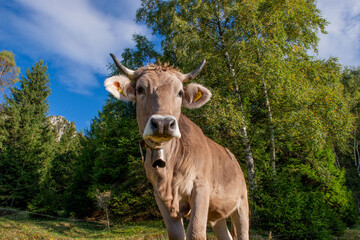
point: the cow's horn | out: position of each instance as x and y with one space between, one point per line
193 74
128 72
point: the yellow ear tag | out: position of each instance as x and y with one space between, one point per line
121 91
197 96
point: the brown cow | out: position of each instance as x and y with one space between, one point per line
192 176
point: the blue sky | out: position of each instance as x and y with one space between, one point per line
75 37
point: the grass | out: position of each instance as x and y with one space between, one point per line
20 226
15 228
351 233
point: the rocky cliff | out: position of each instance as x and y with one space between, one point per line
60 124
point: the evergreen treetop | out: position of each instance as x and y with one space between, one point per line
27 148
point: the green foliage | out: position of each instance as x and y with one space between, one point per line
37 164
247 44
60 173
305 202
76 200
351 81
142 54
110 160
291 212
110 157
252 47
9 72
27 147
351 159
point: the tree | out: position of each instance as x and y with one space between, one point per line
281 107
351 160
235 37
103 200
52 193
27 148
351 81
110 159
143 53
9 72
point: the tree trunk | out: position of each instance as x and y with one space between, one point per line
272 130
356 153
251 175
107 219
337 162
271 122
243 129
357 202
249 161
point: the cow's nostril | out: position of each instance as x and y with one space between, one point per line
154 124
161 128
172 124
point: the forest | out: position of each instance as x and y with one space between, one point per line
292 121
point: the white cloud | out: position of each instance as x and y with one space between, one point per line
75 32
79 78
343 38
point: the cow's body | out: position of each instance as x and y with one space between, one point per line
197 178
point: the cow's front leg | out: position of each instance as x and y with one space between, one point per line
199 204
174 226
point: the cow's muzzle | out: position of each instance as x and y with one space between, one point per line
161 128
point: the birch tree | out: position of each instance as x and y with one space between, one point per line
9 72
238 38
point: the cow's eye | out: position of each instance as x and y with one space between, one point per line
181 93
140 90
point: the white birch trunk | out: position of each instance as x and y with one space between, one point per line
272 130
251 175
243 131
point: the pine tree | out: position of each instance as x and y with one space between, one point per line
110 160
110 157
27 149
59 176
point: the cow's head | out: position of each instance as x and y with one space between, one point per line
159 94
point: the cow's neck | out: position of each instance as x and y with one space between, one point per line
176 151
177 161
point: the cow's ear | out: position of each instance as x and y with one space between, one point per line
120 87
195 95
